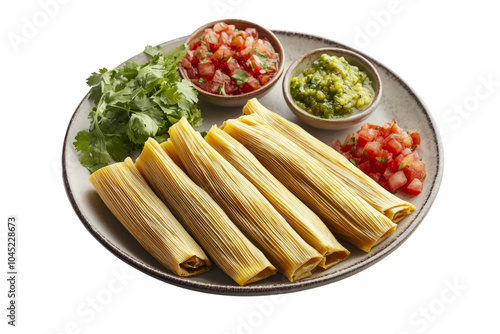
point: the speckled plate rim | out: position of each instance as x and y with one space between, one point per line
250 290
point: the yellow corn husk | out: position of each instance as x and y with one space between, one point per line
305 222
344 211
382 200
203 218
169 148
147 218
244 204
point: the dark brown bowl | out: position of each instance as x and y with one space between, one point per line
239 100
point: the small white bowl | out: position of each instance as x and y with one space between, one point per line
307 61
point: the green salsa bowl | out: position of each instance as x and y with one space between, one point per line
298 91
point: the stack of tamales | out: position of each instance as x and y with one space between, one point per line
259 194
347 214
204 219
364 186
246 206
307 224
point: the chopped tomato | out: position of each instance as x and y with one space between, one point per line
414 188
200 53
264 78
252 84
373 149
261 47
375 176
249 42
211 38
395 127
247 61
232 67
397 180
191 57
365 166
349 143
406 151
224 52
238 42
206 69
406 141
220 26
186 63
337 146
397 163
388 173
358 152
387 154
225 38
193 73
415 136
370 126
386 129
367 135
251 32
394 146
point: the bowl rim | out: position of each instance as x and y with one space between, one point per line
276 43
350 118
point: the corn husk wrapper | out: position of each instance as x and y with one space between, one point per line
169 148
244 204
147 218
203 218
305 222
348 215
382 200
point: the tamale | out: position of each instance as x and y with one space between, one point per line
305 222
244 204
382 200
348 215
203 218
147 218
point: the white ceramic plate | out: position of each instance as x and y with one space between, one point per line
398 101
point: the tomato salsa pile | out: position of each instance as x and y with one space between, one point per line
388 155
228 61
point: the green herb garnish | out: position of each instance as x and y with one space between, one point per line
221 90
240 77
135 102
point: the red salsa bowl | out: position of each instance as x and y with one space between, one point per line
231 61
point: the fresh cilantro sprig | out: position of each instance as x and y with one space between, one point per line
135 102
240 77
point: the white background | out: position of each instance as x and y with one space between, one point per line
443 279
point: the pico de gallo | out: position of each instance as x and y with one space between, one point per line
230 61
388 155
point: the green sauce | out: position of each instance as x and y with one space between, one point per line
332 88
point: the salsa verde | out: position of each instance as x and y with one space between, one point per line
332 88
